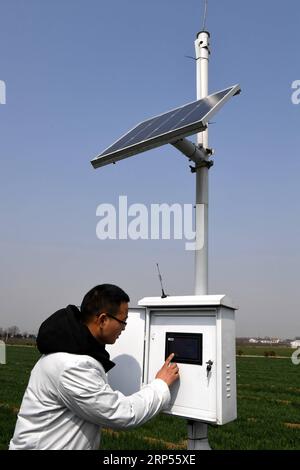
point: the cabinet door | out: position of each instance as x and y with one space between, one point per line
194 395
128 354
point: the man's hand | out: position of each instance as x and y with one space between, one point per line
169 372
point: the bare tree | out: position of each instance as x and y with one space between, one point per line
13 331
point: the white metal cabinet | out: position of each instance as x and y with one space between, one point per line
201 394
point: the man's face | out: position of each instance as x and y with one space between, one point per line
111 327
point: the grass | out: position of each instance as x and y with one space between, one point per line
268 399
268 409
13 381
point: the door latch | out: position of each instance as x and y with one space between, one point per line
208 367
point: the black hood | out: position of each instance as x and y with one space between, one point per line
64 332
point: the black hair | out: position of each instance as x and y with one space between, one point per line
105 297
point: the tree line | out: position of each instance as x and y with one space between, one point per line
14 332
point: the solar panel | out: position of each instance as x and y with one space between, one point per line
166 128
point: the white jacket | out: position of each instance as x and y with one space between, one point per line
68 400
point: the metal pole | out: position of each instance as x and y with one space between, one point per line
201 253
197 430
2 352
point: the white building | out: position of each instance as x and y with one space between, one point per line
295 344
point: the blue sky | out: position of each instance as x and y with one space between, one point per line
78 75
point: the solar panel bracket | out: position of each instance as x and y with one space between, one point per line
195 153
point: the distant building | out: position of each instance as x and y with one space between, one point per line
295 344
253 340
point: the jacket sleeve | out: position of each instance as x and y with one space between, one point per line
85 392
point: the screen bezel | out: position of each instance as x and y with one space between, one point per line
182 359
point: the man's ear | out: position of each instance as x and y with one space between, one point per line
101 319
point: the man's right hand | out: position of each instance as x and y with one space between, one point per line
169 372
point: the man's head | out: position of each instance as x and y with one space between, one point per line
104 310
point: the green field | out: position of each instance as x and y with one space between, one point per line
268 408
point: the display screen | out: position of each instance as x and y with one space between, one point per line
187 347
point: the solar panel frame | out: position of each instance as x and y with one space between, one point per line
112 156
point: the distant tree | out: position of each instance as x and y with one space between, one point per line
240 352
13 331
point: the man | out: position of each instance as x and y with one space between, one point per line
68 399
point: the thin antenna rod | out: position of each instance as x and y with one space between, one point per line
205 14
163 295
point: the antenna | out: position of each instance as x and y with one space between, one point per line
205 14
163 295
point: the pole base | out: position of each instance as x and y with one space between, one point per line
198 436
